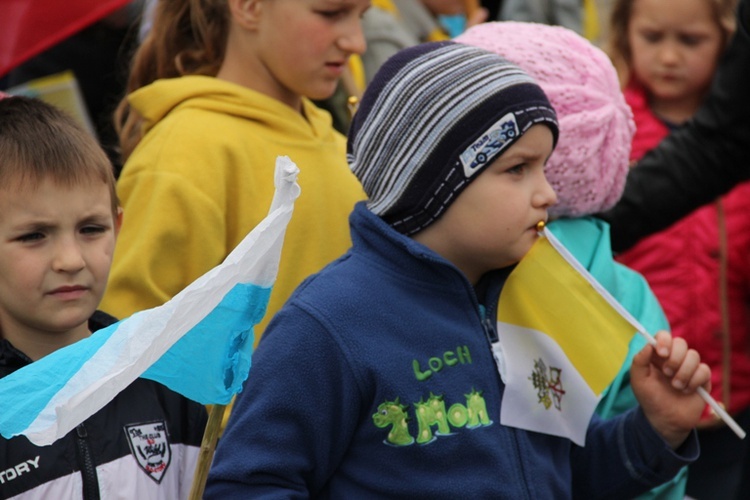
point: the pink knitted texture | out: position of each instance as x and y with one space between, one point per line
590 163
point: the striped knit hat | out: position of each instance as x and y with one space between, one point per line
433 117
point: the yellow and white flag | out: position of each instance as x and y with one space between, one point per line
562 340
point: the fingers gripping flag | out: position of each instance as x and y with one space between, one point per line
562 340
198 344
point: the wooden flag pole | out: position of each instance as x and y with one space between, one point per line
206 454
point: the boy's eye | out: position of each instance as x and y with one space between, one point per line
518 169
30 237
93 229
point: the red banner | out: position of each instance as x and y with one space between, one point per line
28 27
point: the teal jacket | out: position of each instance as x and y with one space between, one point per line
588 240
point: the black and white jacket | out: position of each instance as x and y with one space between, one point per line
144 444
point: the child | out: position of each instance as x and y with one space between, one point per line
361 381
218 89
587 171
392 25
58 221
697 162
698 267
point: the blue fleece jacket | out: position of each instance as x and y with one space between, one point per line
377 380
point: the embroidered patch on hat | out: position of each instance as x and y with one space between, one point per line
149 444
498 137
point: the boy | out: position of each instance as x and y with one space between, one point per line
376 380
59 217
587 171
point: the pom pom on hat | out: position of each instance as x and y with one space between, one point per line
432 119
590 163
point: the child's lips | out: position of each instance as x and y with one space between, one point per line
69 292
336 67
669 77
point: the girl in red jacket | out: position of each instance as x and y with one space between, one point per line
699 268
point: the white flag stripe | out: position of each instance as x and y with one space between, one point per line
569 412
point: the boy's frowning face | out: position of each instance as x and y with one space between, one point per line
56 246
492 223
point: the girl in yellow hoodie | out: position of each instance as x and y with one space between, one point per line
217 90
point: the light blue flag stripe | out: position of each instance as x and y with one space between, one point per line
39 382
232 321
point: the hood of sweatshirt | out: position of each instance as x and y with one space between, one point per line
155 101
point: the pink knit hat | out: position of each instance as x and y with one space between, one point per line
588 167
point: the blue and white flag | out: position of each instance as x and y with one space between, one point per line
198 344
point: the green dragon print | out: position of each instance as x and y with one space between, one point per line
393 413
430 413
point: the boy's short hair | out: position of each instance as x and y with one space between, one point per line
432 119
38 140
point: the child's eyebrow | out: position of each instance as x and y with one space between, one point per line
522 154
32 226
97 218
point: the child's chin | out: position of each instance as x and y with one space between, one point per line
323 92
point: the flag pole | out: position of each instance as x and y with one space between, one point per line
720 412
206 453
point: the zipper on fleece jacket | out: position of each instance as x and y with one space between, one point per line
489 329
492 336
86 464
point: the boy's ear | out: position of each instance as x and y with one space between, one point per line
118 221
246 13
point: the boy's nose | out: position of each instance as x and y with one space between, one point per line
545 196
68 257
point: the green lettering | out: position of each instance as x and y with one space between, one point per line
477 408
463 354
458 415
418 373
450 358
429 413
436 364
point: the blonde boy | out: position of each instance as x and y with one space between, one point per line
59 218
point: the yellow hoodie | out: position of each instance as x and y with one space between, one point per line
202 178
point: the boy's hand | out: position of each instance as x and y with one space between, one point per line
664 379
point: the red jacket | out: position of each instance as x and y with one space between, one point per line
683 263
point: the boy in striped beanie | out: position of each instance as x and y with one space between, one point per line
376 379
434 117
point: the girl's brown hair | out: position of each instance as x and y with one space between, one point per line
187 37
618 47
